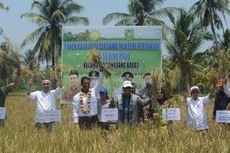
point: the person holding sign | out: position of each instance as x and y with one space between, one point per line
45 101
103 103
196 113
221 98
4 90
85 102
128 104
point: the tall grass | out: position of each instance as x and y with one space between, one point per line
20 136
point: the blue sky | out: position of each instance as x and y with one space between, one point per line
17 29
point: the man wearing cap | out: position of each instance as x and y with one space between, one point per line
126 76
196 113
128 104
93 75
103 103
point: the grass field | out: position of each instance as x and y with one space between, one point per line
20 136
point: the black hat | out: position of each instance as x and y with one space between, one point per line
93 74
127 75
72 72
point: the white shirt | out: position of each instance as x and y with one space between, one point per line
44 101
93 102
196 115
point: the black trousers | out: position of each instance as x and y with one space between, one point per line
87 122
46 125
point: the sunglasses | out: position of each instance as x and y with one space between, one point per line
46 84
194 92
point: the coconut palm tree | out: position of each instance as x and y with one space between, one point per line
209 12
225 43
141 12
187 35
29 59
50 16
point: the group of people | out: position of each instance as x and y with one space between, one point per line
133 105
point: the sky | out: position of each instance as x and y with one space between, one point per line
17 28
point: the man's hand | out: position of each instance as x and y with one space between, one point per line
112 103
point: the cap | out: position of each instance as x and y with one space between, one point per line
127 84
93 74
103 90
127 75
194 88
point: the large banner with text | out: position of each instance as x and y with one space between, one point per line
136 49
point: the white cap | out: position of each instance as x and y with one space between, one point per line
127 84
194 88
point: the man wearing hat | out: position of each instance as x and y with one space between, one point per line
196 113
128 103
93 75
126 76
103 103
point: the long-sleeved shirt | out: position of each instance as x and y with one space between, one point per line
93 101
44 101
196 115
128 108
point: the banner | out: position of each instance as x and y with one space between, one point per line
135 49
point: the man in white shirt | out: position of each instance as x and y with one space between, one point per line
196 114
85 103
45 100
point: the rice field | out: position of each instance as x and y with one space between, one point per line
20 136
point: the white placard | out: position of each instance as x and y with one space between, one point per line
2 112
223 116
52 115
109 114
172 114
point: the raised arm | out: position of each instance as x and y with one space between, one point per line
29 86
16 80
100 80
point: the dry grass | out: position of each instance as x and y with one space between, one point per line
20 136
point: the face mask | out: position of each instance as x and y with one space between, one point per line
149 83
